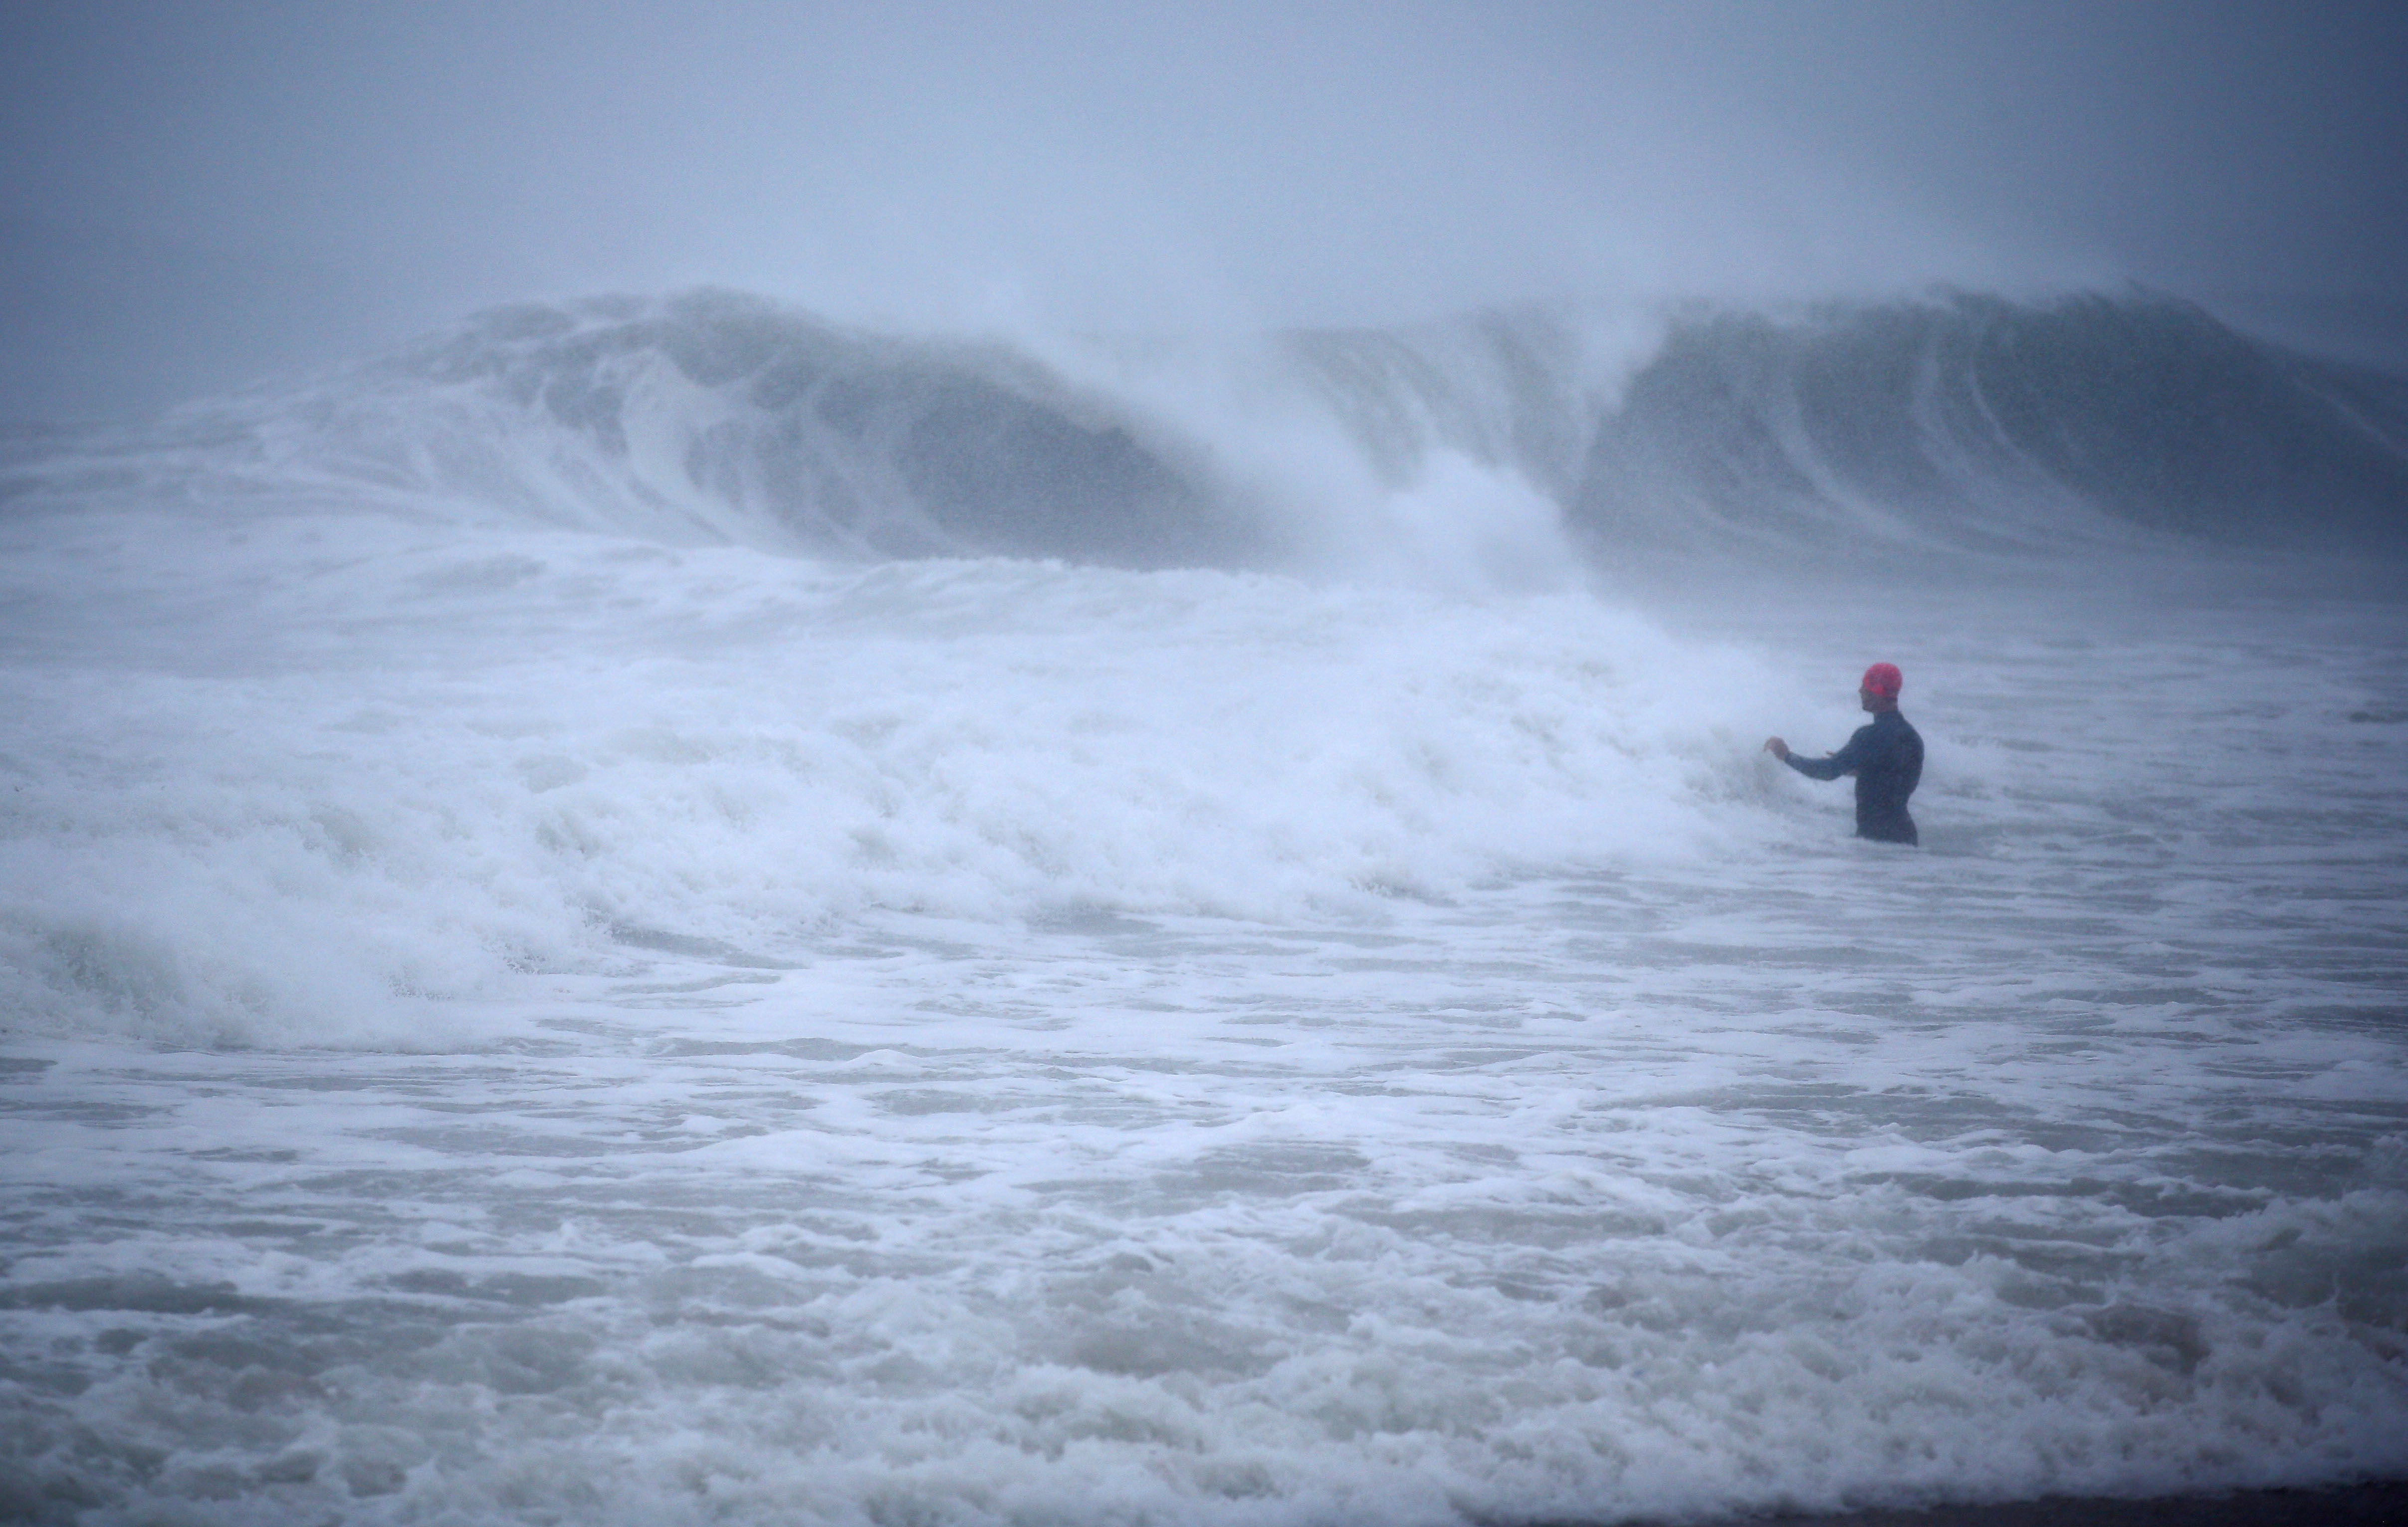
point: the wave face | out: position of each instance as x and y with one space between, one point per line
1976 419
760 424
1498 441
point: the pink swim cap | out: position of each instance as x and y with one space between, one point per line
1884 679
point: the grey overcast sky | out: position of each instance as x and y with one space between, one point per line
197 190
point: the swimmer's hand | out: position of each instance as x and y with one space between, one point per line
1777 748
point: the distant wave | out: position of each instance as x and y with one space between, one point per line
1954 420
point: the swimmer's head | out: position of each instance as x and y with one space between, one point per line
1880 683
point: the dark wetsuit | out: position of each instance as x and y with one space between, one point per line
1886 758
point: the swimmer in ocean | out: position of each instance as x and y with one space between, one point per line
1886 758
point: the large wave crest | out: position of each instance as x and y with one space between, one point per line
1500 440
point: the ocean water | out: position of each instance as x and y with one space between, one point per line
514 1016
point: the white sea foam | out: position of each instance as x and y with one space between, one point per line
410 766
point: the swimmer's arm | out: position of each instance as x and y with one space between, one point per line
1846 761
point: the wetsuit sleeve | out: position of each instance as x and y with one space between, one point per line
1846 761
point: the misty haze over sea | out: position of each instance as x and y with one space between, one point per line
968 766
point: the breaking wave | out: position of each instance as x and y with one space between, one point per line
1500 442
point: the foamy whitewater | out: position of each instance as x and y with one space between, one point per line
663 913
